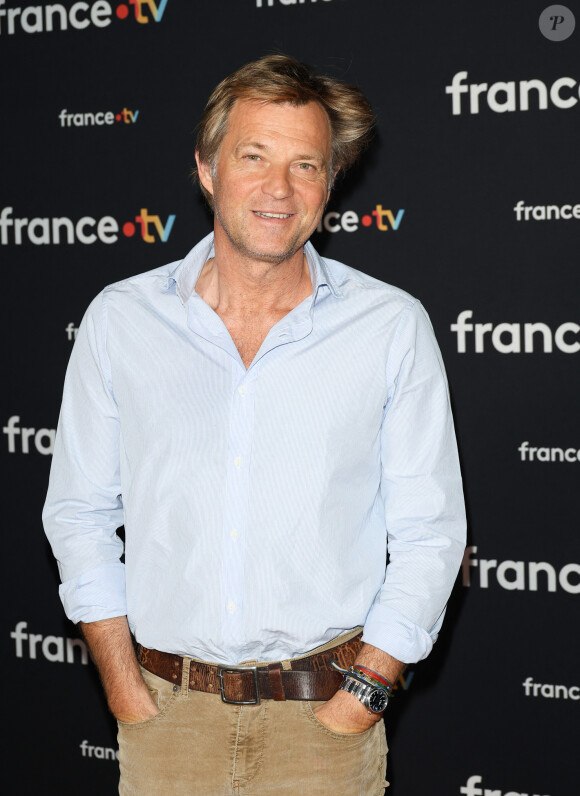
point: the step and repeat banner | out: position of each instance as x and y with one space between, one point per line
468 198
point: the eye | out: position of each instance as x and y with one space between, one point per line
309 171
252 157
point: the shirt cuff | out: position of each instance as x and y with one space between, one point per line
393 633
97 594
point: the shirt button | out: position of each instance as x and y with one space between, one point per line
238 461
231 607
234 533
242 389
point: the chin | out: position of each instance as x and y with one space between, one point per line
271 257
272 254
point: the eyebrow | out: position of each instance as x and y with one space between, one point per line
251 145
265 147
310 157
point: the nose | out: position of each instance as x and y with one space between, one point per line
277 182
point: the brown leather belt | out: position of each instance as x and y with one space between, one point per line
310 678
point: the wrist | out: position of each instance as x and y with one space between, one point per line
373 698
370 688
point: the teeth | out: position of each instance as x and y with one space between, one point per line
273 215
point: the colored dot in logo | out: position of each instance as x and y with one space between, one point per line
129 229
366 221
118 117
122 11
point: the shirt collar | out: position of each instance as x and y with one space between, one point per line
186 273
319 272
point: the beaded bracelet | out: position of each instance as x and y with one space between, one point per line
366 676
377 678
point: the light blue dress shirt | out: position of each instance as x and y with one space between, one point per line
257 503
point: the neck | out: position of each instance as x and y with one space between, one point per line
235 282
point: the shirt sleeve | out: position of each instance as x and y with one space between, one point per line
422 493
83 508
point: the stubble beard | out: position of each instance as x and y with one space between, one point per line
240 243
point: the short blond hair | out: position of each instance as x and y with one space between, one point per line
280 78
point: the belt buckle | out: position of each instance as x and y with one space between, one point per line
221 670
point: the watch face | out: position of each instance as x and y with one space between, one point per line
378 700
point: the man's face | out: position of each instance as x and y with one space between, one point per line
271 181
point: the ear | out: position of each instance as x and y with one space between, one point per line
204 172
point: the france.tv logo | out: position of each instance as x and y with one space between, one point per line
43 231
81 15
100 118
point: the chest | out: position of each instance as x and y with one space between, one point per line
248 331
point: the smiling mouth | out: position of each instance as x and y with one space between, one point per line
272 215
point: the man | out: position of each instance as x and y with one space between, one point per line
262 420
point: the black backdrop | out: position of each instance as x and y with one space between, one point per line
494 710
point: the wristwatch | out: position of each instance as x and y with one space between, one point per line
373 698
